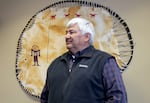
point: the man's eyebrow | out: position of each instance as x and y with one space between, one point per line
69 30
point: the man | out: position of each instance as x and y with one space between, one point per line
83 74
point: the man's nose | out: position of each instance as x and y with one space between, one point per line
67 35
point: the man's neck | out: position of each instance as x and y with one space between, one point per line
77 51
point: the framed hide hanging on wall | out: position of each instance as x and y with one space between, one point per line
43 39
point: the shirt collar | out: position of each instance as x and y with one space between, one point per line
87 52
84 52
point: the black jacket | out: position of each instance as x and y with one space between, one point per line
82 85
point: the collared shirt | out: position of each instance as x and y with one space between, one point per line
115 89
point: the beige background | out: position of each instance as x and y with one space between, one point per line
14 15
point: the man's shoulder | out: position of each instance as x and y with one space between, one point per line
62 56
102 53
58 59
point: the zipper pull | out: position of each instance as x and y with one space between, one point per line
70 70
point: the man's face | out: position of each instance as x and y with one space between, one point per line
74 39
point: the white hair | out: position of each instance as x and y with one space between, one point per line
85 26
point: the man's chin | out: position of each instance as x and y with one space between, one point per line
68 46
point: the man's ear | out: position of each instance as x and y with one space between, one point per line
87 36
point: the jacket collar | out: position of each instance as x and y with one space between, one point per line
86 53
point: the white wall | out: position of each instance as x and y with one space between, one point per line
14 14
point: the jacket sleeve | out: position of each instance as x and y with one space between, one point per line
113 83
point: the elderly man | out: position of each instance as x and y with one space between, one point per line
83 74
